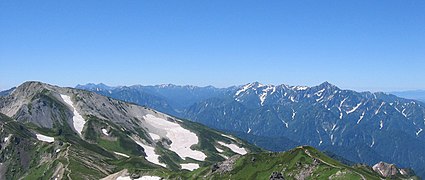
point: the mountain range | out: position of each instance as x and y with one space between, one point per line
361 127
51 132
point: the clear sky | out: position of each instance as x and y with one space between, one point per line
354 44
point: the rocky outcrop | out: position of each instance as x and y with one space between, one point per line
389 170
225 166
276 176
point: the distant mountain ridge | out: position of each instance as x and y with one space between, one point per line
359 126
413 94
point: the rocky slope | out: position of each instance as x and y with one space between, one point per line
71 134
390 170
50 132
359 126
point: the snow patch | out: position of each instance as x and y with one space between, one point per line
293 114
320 92
154 136
354 109
380 106
181 139
403 112
244 88
234 148
249 130
229 136
151 156
45 138
333 127
121 154
321 98
286 124
300 88
190 166
265 93
7 138
342 102
149 178
219 150
224 156
381 124
105 132
361 117
77 120
417 133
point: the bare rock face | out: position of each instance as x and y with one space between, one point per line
388 170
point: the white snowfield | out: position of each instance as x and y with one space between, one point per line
219 150
121 154
45 138
234 148
154 136
105 132
77 119
151 156
224 135
190 166
181 139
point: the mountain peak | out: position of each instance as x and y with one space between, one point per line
255 84
327 84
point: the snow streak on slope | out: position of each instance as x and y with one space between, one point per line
77 119
234 148
354 109
154 136
181 139
105 132
265 93
361 117
190 166
45 138
122 154
151 156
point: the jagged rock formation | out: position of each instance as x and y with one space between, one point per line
390 170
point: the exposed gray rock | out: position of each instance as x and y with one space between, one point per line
225 166
389 170
276 176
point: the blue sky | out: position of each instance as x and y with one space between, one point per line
357 44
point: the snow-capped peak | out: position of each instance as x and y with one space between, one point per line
244 88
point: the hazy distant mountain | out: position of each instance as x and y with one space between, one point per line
7 92
167 98
414 94
359 126
50 132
